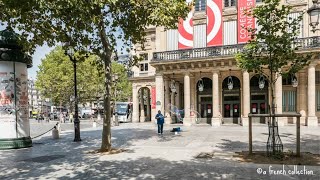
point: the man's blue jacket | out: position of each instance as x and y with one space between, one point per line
160 120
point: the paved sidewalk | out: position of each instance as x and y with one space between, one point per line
150 156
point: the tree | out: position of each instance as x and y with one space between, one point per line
123 86
55 78
271 51
91 25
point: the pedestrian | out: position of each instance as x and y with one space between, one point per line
160 121
71 117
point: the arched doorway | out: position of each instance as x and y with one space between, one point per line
259 98
144 104
231 101
204 99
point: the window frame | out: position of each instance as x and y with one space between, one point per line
228 3
202 7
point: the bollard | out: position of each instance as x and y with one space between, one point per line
55 133
94 124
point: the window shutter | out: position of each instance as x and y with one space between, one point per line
172 39
229 32
200 36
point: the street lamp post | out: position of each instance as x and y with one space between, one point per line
114 80
314 13
70 52
98 112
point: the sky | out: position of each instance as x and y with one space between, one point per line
39 54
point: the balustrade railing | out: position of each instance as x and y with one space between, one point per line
228 50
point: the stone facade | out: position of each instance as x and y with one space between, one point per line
216 105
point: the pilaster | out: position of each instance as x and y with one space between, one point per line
216 119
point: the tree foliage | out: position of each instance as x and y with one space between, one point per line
122 85
90 25
55 78
272 48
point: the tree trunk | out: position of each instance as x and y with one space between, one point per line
106 57
106 132
273 111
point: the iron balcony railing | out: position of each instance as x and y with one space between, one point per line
222 51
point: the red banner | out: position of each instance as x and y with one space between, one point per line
245 21
214 22
185 29
153 98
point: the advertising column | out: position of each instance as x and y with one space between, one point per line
14 122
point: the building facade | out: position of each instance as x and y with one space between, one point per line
37 103
186 72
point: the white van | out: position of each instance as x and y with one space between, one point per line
124 111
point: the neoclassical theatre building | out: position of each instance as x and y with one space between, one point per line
190 73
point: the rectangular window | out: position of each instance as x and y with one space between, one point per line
143 67
200 5
289 101
172 39
230 32
200 36
293 16
229 3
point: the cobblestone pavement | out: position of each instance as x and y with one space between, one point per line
150 156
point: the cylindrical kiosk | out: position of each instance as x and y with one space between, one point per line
14 119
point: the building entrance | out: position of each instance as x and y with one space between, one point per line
231 108
258 98
231 101
204 100
205 108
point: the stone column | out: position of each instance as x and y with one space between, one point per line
278 99
187 119
172 107
312 119
135 101
193 95
148 105
246 98
167 104
159 93
216 119
302 97
142 116
177 100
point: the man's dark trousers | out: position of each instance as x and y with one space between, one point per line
160 128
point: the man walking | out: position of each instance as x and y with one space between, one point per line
160 121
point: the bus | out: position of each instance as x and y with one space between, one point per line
124 111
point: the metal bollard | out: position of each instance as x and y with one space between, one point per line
55 133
